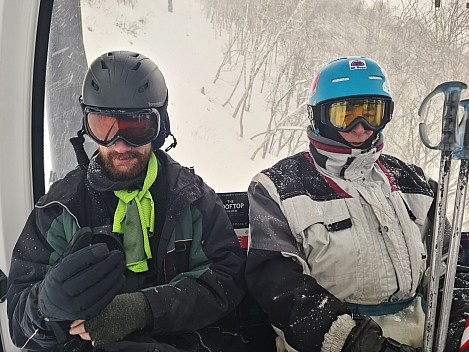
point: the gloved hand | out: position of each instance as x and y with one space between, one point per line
127 313
85 237
82 283
368 336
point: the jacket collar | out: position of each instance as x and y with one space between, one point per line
336 159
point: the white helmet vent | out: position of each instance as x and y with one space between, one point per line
340 79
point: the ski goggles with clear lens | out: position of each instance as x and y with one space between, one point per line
135 127
344 115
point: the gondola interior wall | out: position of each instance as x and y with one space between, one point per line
18 27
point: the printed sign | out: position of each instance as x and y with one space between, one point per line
237 208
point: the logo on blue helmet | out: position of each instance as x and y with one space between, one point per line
357 64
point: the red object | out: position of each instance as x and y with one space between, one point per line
465 339
243 241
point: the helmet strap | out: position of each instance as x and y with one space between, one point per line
80 153
173 144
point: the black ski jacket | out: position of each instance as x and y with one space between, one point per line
197 260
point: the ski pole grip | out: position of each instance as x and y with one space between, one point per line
462 152
449 132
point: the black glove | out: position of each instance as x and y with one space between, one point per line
85 237
82 283
368 336
127 313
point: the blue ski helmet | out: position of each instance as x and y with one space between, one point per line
349 81
349 77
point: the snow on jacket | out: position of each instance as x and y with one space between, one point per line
332 226
197 260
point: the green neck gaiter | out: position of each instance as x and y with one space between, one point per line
135 219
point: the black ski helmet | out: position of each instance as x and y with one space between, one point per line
127 80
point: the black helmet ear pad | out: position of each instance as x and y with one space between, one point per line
82 105
165 128
315 115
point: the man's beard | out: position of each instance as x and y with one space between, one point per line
129 174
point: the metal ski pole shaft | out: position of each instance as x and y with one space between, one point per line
447 296
448 143
458 215
436 251
461 190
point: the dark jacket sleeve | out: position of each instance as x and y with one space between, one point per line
31 259
459 309
214 284
295 303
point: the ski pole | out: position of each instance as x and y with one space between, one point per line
448 143
462 153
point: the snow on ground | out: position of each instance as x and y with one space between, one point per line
188 51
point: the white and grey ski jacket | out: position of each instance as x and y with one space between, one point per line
334 230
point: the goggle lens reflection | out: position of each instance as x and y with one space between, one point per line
134 127
344 114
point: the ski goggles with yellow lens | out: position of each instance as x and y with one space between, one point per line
135 127
344 115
